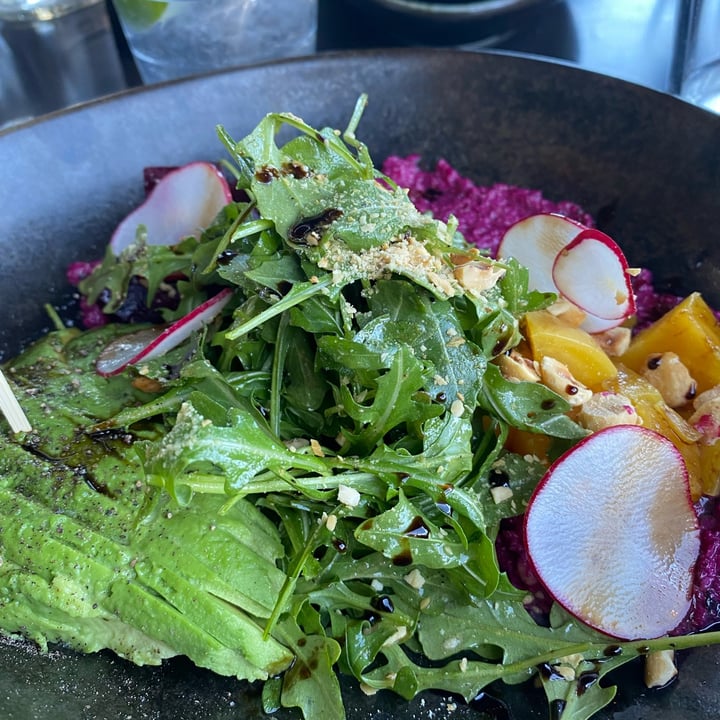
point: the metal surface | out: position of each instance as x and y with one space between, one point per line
642 161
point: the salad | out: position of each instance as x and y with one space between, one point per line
311 430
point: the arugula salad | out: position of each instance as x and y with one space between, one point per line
302 461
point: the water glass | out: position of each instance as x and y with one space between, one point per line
55 53
700 72
16 10
176 38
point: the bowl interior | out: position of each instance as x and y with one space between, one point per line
644 163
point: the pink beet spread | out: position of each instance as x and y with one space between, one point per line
483 213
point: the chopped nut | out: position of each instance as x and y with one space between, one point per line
565 672
501 493
456 341
331 522
660 668
706 418
147 385
316 448
568 312
415 579
670 376
348 496
558 377
517 368
606 409
398 636
441 282
567 666
708 396
476 277
614 341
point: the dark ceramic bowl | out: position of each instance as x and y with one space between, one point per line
438 22
465 9
644 163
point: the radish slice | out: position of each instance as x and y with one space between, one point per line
154 342
183 203
535 242
593 324
612 534
592 273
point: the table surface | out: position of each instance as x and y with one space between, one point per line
634 40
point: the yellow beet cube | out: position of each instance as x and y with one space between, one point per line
523 443
550 337
691 331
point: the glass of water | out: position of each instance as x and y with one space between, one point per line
176 38
700 81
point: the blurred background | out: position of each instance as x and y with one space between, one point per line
56 53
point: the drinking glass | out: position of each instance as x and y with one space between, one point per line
700 72
176 38
55 53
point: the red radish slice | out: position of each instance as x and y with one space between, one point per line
612 534
592 273
535 242
153 342
183 203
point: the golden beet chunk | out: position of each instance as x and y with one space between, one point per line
578 350
690 330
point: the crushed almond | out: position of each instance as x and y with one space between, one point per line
614 341
660 668
415 579
606 409
477 277
348 496
558 377
501 493
568 312
517 368
667 372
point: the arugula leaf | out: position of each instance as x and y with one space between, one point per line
242 450
528 406
406 318
403 534
311 684
393 402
